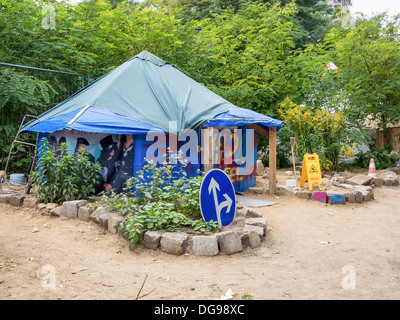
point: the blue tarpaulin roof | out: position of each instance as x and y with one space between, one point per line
239 117
91 119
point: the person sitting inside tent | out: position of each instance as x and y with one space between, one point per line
108 157
82 143
124 170
53 143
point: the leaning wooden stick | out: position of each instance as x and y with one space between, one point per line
292 143
137 297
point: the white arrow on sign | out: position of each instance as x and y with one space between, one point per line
213 187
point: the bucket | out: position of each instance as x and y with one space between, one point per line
17 179
2 173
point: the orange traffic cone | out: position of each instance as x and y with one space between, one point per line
372 169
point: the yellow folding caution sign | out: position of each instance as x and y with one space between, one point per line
311 171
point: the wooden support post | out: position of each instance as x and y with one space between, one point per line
272 160
207 146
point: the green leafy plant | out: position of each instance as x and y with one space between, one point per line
383 158
318 131
162 216
63 177
160 197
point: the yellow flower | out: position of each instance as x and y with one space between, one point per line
328 165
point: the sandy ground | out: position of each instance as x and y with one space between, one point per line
312 251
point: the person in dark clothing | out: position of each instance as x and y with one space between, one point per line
108 157
53 143
60 142
82 143
124 171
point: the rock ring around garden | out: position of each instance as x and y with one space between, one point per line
248 229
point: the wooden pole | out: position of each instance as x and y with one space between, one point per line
272 160
292 143
207 149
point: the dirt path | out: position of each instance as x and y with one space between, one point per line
312 251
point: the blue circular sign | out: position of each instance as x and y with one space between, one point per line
217 198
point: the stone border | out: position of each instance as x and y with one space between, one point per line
228 242
359 195
248 230
353 189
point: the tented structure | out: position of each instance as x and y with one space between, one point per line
126 113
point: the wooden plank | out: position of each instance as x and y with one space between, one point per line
272 160
259 130
208 149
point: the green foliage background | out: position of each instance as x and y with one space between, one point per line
253 53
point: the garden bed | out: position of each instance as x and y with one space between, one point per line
247 230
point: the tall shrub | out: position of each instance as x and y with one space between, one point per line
63 177
317 131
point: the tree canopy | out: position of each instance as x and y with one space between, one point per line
256 54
